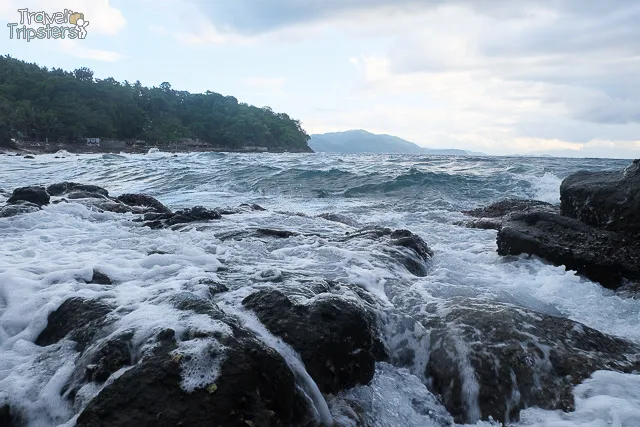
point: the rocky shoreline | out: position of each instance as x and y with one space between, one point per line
595 230
481 360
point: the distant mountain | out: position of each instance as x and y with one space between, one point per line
360 141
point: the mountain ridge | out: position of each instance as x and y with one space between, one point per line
361 141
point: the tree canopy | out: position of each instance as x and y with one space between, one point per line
38 103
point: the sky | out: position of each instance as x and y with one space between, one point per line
497 76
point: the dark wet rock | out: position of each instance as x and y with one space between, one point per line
18 208
403 245
335 337
88 191
109 358
609 200
188 301
79 318
99 362
415 263
492 360
215 287
36 195
143 200
255 388
282 234
494 216
184 216
75 195
100 278
343 219
28 157
243 208
253 207
629 290
600 255
505 207
114 206
6 420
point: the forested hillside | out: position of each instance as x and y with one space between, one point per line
37 103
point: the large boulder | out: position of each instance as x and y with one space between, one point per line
36 195
600 255
142 200
335 337
74 190
255 387
78 318
490 359
608 200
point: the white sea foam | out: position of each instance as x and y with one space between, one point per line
547 188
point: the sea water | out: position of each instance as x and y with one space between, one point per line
46 257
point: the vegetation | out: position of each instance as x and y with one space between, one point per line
61 106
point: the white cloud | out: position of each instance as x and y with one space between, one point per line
79 50
266 84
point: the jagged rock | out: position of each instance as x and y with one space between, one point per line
253 207
188 301
36 195
99 362
143 200
600 255
343 219
79 318
100 278
494 216
75 195
215 288
408 248
255 387
86 191
184 216
608 200
18 208
335 337
283 234
492 360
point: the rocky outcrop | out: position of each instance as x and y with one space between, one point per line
36 195
596 231
609 200
602 256
79 318
18 208
255 388
80 190
404 246
183 216
335 337
145 201
492 360
494 216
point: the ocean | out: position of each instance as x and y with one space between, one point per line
44 254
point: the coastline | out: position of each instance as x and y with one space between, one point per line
79 149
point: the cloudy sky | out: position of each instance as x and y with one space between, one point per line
497 76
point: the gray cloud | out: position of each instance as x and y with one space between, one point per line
258 16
